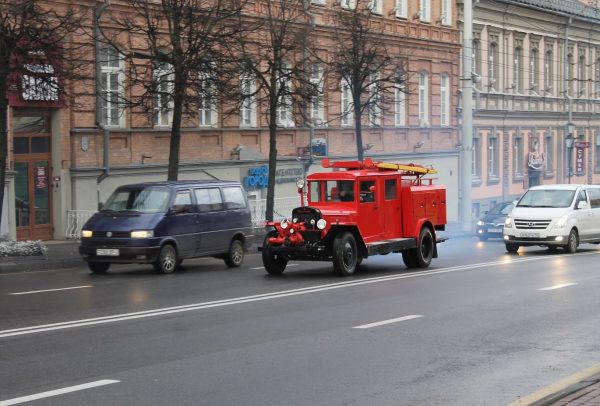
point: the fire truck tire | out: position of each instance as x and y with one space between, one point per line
345 254
421 256
274 264
409 258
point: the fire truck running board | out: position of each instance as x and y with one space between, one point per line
387 246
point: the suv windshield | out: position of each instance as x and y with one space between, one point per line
501 209
142 200
547 198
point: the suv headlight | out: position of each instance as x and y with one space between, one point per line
480 223
86 233
321 224
142 234
561 222
508 223
284 224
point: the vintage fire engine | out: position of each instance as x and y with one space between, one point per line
361 209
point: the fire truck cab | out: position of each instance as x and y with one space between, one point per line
358 210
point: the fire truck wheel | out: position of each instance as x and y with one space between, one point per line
274 263
345 254
410 258
421 256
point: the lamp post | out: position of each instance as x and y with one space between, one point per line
569 141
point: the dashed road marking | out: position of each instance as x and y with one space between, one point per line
50 290
390 321
562 285
57 392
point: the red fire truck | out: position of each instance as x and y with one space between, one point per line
358 210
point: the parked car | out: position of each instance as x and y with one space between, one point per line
164 223
492 223
555 216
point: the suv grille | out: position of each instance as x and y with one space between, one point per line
532 224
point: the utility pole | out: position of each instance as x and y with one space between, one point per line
466 151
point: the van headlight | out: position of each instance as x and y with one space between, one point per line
321 224
508 223
86 233
284 224
480 223
561 222
142 234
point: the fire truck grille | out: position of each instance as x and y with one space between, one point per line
309 216
531 224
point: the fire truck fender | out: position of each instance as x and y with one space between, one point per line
426 223
338 229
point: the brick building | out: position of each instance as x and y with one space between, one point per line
60 175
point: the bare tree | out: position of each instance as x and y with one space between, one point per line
274 58
36 58
180 56
361 64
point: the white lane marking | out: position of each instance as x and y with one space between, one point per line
50 290
57 392
563 285
390 321
253 298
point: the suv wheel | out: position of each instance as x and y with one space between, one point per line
274 263
235 256
345 254
98 267
167 259
572 242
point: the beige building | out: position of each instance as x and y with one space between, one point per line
536 72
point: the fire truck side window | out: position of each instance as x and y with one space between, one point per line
339 191
315 191
390 189
366 194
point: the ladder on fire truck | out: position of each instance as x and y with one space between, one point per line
368 163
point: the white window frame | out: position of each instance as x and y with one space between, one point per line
401 8
285 113
163 111
445 100
423 99
518 157
446 16
319 2
207 108
493 66
346 109
492 169
534 64
425 10
518 70
248 105
375 101
376 6
317 104
110 95
582 76
348 4
549 154
548 72
399 106
597 78
475 154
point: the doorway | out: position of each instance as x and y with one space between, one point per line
32 157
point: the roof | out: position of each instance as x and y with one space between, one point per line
570 186
569 7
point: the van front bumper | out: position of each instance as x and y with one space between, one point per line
551 240
126 255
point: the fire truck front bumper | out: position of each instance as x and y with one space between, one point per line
301 252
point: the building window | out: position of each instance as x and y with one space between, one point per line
163 106
582 76
493 67
375 102
445 100
569 75
518 70
597 154
534 70
320 2
492 158
425 10
401 8
446 12
476 55
111 85
248 105
476 160
375 6
399 105
317 105
346 105
423 99
548 73
518 157
597 81
207 108
348 4
549 154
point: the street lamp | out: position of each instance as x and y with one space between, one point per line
569 141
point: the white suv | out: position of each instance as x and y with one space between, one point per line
555 216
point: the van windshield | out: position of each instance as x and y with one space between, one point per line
547 198
142 200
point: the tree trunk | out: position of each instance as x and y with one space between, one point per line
272 160
3 128
175 143
358 128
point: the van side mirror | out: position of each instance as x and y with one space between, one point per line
100 206
582 205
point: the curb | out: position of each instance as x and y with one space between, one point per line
21 264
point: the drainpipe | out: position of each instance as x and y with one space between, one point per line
105 131
307 121
570 126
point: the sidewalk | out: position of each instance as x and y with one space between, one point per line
60 254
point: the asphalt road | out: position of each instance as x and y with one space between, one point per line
479 327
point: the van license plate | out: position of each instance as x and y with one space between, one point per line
530 235
107 252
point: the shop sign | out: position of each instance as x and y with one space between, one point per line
579 160
258 176
41 178
537 159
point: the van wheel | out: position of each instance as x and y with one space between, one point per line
235 256
345 254
572 242
98 267
274 263
512 248
167 259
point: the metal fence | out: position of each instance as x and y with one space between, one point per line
282 208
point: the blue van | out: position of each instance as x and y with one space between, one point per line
163 223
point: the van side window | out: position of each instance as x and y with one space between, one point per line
234 198
208 199
594 195
182 202
581 197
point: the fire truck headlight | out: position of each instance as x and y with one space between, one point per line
300 183
284 224
295 220
321 224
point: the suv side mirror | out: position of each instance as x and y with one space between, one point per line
582 205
